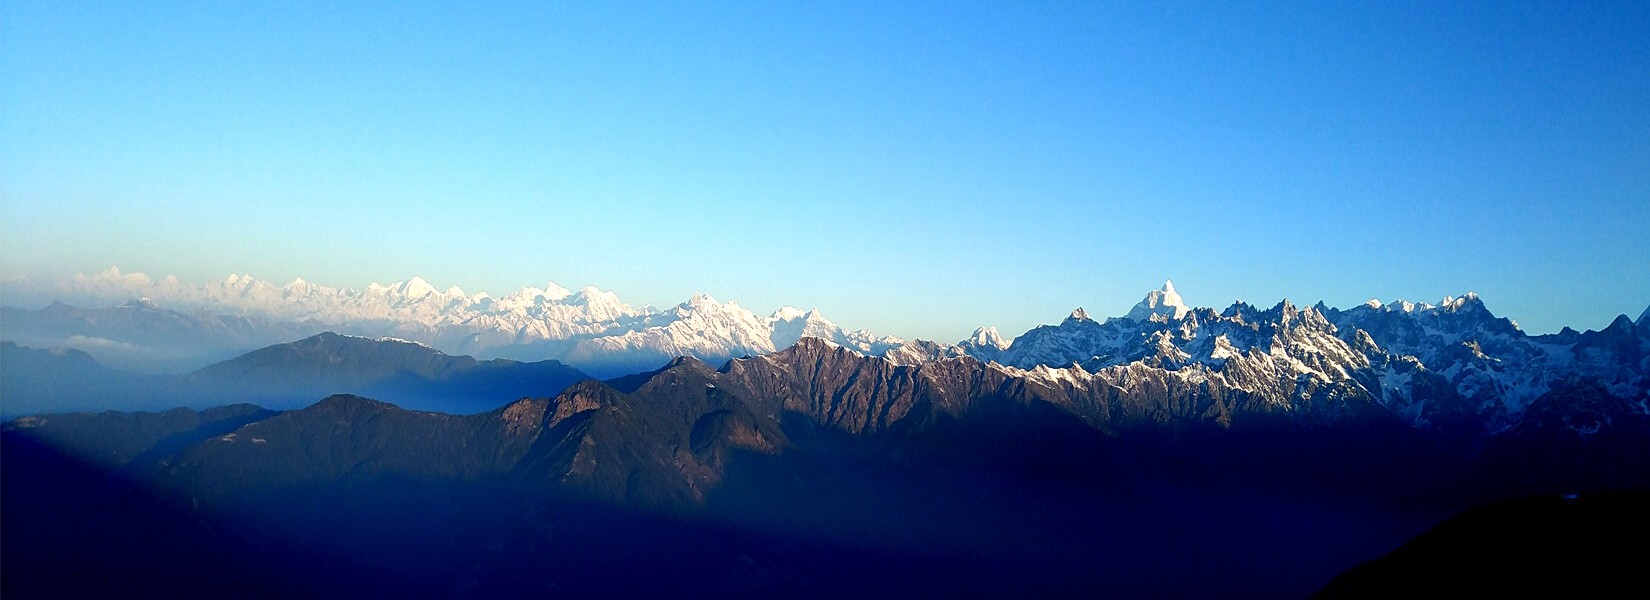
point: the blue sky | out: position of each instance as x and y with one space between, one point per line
913 168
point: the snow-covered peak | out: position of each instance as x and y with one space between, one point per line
1452 303
987 337
700 300
551 291
589 294
811 318
414 288
1165 302
1079 314
299 287
528 297
526 315
110 284
1406 306
789 324
598 304
788 313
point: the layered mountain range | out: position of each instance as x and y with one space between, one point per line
289 375
1452 366
136 322
783 473
1172 451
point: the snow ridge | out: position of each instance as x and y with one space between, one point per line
592 328
1450 365
1164 303
1446 365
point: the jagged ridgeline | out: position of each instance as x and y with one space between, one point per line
1453 366
133 322
780 473
1170 452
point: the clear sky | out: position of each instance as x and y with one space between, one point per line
917 169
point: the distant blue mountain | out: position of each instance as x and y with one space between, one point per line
281 376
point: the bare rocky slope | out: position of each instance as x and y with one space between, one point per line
785 472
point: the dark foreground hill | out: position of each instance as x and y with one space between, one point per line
811 471
1576 545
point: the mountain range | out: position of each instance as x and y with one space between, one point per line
783 473
289 375
1454 365
1173 451
128 318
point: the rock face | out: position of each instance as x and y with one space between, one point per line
664 438
783 472
1453 367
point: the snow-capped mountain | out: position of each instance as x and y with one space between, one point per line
1453 365
1164 303
592 329
714 331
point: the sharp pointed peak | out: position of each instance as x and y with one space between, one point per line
552 291
987 337
416 287
1165 302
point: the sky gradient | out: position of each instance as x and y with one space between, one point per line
917 170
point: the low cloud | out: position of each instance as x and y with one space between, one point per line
81 342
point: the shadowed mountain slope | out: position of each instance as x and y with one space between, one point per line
1579 545
773 474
